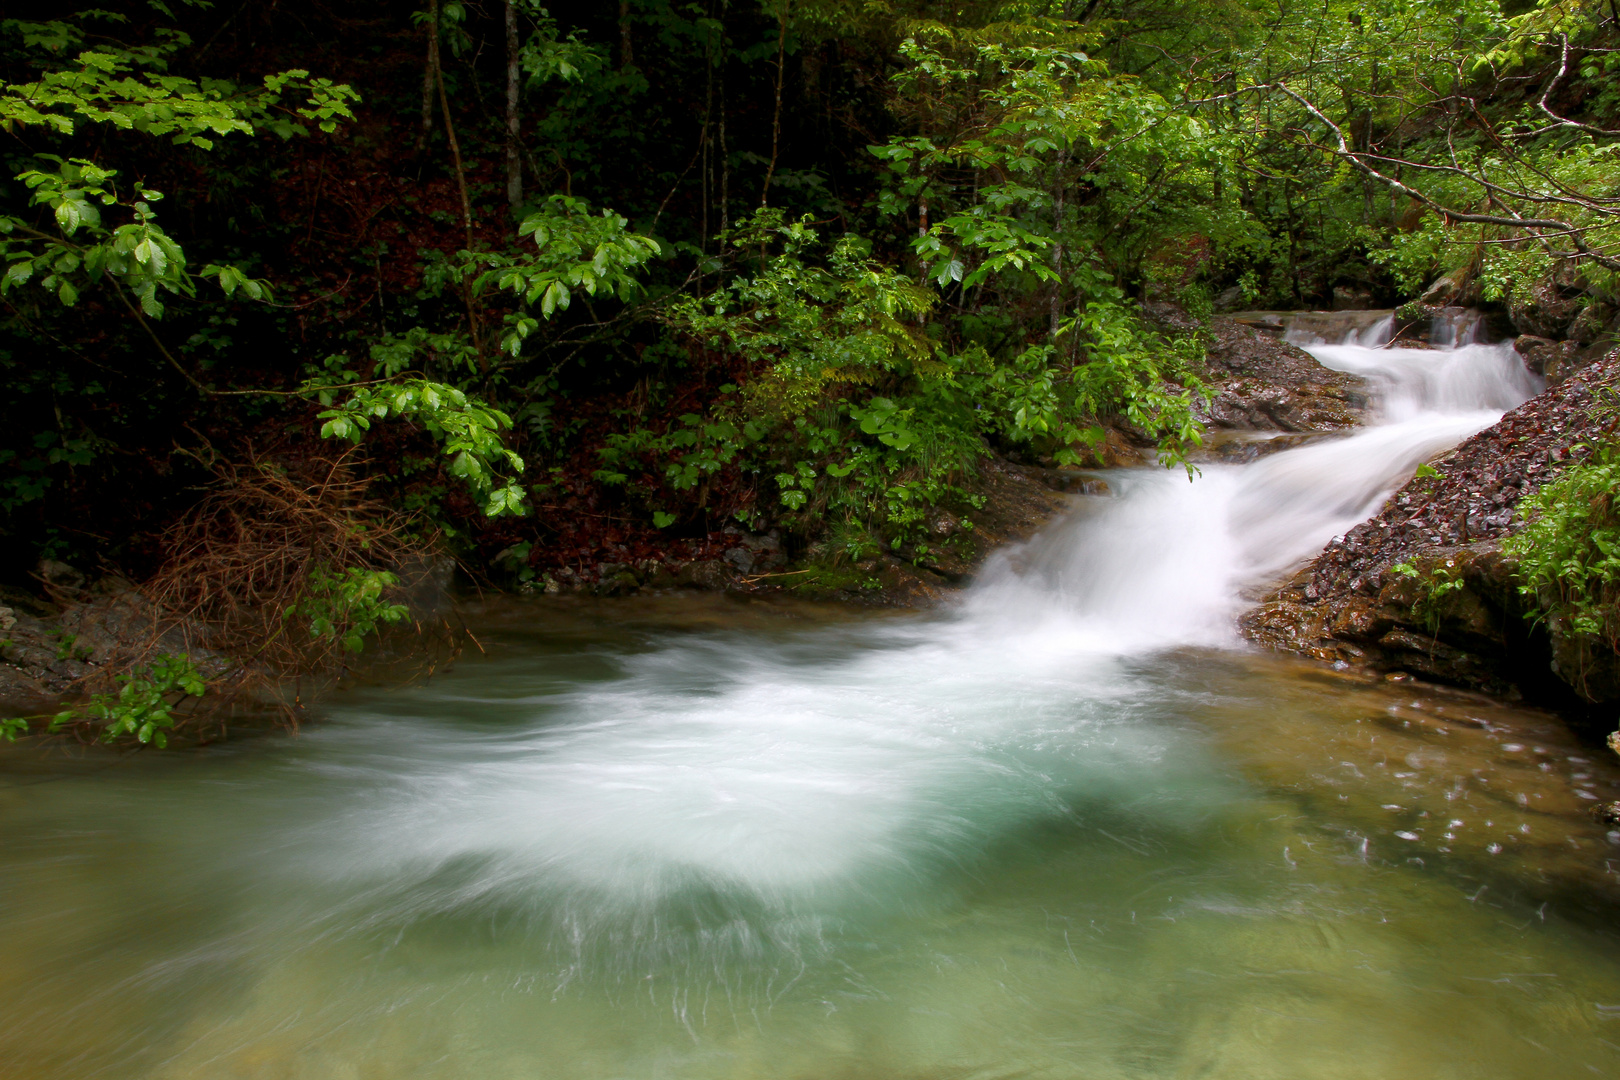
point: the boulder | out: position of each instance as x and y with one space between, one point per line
1262 383
1543 309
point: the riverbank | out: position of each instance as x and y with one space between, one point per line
1362 601
1264 395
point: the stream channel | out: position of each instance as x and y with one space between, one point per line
1067 826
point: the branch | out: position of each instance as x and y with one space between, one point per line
1561 121
1344 153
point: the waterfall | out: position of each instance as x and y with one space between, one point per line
1168 561
817 764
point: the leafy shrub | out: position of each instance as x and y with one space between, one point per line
1569 548
145 703
348 605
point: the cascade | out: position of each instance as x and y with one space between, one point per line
1062 827
781 771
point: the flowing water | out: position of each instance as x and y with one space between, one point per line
1065 828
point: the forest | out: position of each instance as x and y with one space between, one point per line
297 294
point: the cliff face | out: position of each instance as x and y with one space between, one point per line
1356 605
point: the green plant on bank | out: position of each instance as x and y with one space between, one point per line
68 648
821 326
575 253
144 706
1433 588
128 89
1569 547
347 606
468 431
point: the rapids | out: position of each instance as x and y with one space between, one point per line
1067 827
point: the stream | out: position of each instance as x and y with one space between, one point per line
1068 826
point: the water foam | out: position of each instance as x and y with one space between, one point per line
796 776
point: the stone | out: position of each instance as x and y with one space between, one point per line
1352 298
1554 361
1360 620
59 575
621 582
705 574
1544 309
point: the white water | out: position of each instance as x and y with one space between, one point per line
809 774
1166 563
1029 836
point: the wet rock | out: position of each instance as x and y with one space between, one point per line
1458 617
1544 309
1262 383
1359 619
1352 298
705 574
1595 322
1458 287
1590 667
1607 813
1554 361
59 576
616 579
1076 482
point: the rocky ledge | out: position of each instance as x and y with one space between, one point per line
1261 383
1353 606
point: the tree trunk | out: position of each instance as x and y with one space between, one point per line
776 117
473 327
514 158
428 70
1055 312
627 55
725 162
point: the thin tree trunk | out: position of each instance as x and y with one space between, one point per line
1056 300
455 155
725 163
466 203
514 158
627 55
776 117
428 71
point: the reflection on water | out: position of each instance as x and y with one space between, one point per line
631 842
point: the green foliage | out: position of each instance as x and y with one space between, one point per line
577 252
127 88
138 256
467 429
145 703
1569 547
1433 587
347 605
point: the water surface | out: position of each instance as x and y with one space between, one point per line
1067 827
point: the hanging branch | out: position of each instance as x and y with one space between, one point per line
1535 226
